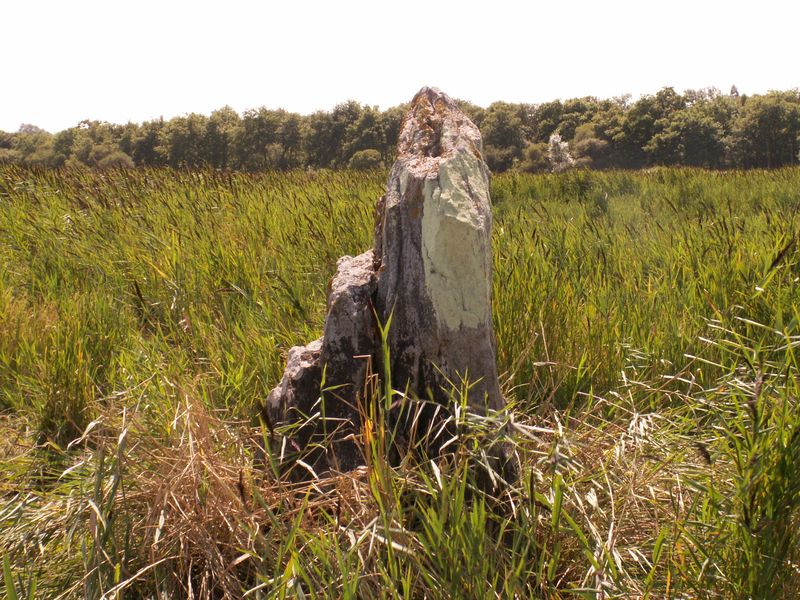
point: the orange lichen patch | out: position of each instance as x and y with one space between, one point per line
420 133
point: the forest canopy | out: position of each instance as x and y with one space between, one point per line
699 128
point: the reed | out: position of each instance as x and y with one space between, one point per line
647 326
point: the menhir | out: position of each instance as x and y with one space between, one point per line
430 271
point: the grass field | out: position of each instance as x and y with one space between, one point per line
647 326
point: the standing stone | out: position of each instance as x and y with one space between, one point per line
434 249
430 270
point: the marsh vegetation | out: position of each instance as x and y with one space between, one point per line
647 330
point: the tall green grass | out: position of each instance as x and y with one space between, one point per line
646 332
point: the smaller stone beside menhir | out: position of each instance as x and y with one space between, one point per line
430 271
327 425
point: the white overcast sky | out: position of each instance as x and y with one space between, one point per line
62 61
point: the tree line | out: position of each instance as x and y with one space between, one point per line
701 128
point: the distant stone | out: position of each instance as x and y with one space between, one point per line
430 271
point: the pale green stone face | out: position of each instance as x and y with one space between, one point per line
455 242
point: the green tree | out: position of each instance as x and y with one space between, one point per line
221 131
327 136
765 130
145 144
545 120
691 137
502 136
646 118
590 150
125 137
116 160
365 160
257 139
606 126
6 140
290 137
63 143
535 158
91 142
34 146
574 113
7 153
366 133
391 120
181 142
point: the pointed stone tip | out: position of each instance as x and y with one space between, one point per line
432 95
435 126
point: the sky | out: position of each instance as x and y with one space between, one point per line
120 60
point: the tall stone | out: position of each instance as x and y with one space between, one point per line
430 271
433 246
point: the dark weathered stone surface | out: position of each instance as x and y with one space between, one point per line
299 388
430 270
348 337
